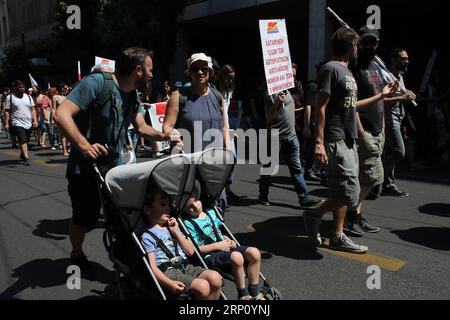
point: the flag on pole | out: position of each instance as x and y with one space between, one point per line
79 71
33 82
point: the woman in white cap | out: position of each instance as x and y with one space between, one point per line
195 110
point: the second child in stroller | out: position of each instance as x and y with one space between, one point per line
221 252
167 248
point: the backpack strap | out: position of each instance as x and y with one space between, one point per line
200 232
163 247
105 93
216 232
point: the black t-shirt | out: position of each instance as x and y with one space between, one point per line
338 82
370 83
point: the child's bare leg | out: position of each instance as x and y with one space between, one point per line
237 266
253 256
200 288
214 281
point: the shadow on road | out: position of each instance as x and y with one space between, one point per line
59 229
434 238
10 162
61 161
47 273
436 209
283 236
53 229
48 154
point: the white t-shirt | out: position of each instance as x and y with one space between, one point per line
226 105
20 110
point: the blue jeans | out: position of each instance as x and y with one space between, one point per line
394 152
290 151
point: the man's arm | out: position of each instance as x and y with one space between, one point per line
147 131
390 101
34 117
307 121
6 119
387 91
64 118
322 103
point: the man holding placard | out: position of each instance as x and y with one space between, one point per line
279 108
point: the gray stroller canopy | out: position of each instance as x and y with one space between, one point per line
128 184
175 175
213 169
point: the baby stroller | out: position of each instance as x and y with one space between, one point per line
122 192
213 168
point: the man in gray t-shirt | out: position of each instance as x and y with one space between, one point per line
336 142
280 117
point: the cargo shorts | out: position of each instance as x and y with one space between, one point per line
370 150
343 171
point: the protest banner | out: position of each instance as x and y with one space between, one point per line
105 64
276 55
157 114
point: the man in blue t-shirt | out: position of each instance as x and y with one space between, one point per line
98 133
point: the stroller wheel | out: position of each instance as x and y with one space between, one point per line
273 294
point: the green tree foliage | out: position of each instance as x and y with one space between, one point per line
107 26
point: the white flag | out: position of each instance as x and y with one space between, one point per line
33 82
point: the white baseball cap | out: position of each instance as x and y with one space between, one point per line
199 57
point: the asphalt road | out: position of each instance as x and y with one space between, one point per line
412 249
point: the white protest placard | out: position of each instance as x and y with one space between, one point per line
276 55
157 114
105 63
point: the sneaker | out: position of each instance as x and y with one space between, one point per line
394 193
343 243
53 148
26 162
84 265
247 297
260 296
311 176
352 226
312 227
264 201
310 202
364 224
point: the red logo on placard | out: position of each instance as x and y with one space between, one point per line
161 108
272 27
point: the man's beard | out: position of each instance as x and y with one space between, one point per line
143 84
353 61
365 56
403 69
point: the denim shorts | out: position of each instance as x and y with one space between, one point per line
221 259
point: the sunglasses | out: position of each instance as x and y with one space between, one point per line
197 69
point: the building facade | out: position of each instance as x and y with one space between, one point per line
24 22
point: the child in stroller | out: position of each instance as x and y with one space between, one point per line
167 248
220 251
